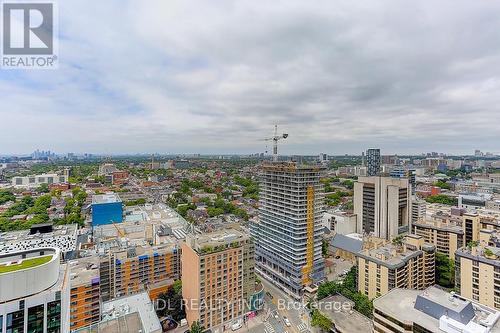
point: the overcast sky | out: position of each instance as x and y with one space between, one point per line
214 76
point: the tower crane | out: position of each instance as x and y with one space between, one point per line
275 140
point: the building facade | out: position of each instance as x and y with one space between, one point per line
373 162
34 292
432 310
131 270
85 302
288 235
410 265
445 232
106 209
222 278
37 180
382 206
477 274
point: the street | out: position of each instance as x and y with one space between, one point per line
276 308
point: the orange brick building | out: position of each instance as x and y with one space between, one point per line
119 177
127 271
220 267
84 301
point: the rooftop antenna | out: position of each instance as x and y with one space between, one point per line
275 140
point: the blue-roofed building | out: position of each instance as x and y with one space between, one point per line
106 209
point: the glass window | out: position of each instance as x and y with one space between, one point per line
35 319
15 322
54 317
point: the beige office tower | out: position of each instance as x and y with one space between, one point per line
477 274
382 206
218 277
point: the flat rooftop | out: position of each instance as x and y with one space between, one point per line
105 198
127 323
221 237
138 303
19 235
389 254
402 305
340 310
84 270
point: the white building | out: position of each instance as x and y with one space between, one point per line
432 310
37 180
339 222
135 313
62 237
34 292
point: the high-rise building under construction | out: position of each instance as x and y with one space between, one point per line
288 232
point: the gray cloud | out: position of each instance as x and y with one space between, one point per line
339 76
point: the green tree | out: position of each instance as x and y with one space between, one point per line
442 185
442 199
348 184
348 289
324 248
6 196
445 270
43 188
171 300
320 321
196 327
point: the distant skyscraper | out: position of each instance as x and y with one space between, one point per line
288 233
373 162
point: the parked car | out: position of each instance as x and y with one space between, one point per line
287 322
237 324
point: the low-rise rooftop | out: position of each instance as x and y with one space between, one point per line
216 240
105 198
340 310
84 270
427 308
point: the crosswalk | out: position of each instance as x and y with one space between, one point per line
269 328
302 327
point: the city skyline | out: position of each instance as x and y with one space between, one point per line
187 77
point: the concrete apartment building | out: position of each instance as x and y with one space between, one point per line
124 271
477 274
84 294
383 268
446 232
418 209
432 310
218 277
383 206
373 162
288 234
34 292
